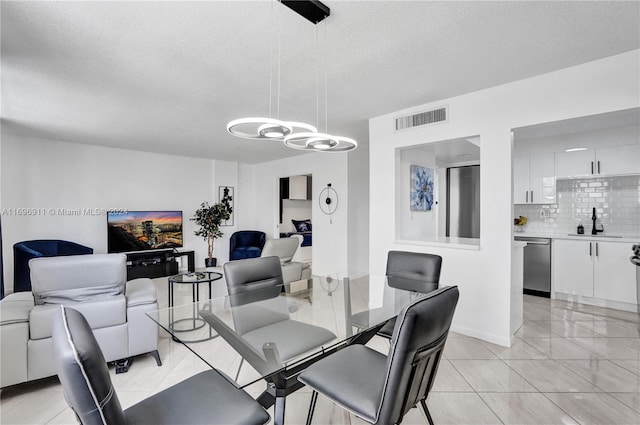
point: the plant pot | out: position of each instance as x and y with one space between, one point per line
210 262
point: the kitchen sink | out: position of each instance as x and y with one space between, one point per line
595 236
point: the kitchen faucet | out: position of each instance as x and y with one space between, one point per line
595 231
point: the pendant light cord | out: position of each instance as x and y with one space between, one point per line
279 57
317 81
271 65
271 62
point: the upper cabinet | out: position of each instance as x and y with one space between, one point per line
602 161
534 179
300 188
618 160
520 179
575 164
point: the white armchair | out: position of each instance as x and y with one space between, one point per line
285 248
96 286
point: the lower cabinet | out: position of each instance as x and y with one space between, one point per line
594 269
573 267
614 277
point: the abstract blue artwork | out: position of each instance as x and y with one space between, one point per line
421 188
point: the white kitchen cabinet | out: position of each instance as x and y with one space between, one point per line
613 160
618 160
534 179
298 188
572 267
542 177
614 277
520 179
575 164
594 269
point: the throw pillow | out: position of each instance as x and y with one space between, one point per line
302 225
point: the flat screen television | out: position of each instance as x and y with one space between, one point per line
144 230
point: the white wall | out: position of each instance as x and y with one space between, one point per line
259 190
616 136
48 174
483 276
359 206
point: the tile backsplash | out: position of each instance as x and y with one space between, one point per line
616 199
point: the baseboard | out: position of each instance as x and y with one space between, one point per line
616 305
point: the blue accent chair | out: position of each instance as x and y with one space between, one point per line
25 251
246 244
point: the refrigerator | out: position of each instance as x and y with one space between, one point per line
463 202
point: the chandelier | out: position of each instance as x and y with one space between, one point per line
295 135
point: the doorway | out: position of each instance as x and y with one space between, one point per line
296 213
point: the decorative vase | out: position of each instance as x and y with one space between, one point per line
210 262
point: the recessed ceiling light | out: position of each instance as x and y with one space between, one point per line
575 149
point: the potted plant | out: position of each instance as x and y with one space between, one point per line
210 218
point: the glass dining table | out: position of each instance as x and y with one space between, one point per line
274 333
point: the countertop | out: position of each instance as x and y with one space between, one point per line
447 242
585 237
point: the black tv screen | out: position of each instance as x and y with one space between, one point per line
144 230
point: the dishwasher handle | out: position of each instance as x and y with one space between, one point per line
536 242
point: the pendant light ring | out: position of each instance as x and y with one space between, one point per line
259 128
320 142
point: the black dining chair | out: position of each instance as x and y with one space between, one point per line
381 389
261 315
410 271
208 397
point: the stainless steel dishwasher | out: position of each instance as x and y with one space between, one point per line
537 266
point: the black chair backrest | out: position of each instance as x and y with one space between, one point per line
416 348
83 371
254 286
413 271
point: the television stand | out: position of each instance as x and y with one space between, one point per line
154 264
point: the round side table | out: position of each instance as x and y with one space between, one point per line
193 279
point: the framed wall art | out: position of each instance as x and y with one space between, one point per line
227 190
421 190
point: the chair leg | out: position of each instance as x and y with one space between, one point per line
426 411
156 356
239 367
312 406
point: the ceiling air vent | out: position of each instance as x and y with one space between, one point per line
423 118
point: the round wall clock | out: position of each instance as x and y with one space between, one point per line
328 201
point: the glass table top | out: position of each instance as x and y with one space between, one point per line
277 328
196 277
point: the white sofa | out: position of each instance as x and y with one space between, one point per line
96 286
285 248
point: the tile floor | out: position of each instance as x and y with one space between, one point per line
569 364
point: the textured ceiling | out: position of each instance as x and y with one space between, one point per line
167 76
